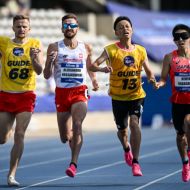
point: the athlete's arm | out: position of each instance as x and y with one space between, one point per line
95 66
148 71
91 74
165 71
50 60
36 55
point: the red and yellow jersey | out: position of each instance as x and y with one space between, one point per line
180 79
17 73
125 80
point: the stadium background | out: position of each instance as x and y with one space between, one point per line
152 20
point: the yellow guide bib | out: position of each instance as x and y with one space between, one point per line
125 80
17 73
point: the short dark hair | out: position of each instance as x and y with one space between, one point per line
20 17
180 27
120 18
70 15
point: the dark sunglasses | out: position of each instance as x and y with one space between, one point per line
181 36
71 25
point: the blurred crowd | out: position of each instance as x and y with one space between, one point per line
13 7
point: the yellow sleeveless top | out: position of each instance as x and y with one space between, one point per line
125 80
17 74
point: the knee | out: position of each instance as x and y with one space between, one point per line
134 123
122 133
77 128
77 132
19 136
77 125
187 121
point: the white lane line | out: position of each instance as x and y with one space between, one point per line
79 173
35 153
62 159
101 167
156 180
158 152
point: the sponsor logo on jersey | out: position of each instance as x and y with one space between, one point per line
64 56
129 61
80 55
17 51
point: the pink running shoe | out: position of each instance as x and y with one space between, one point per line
128 157
185 173
136 169
71 170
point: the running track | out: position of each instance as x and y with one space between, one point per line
101 165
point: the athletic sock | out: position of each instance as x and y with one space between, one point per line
135 161
185 161
73 164
127 149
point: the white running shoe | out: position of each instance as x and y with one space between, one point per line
12 182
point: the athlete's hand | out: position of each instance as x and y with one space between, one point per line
157 85
107 69
34 52
53 56
153 82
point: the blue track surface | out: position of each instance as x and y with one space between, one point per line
100 166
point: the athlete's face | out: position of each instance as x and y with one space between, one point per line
181 38
21 28
123 29
70 28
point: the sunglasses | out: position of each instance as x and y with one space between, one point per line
181 36
71 25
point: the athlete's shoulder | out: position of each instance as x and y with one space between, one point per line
34 39
140 47
111 45
53 46
171 54
4 39
168 57
88 48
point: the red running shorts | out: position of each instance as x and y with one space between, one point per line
65 97
17 102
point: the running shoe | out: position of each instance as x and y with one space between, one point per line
185 173
128 157
71 170
12 182
136 170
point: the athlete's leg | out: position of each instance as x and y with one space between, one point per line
7 120
181 142
187 129
135 136
182 149
180 122
123 137
22 122
64 121
120 113
78 112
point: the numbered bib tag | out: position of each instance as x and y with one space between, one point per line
182 82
